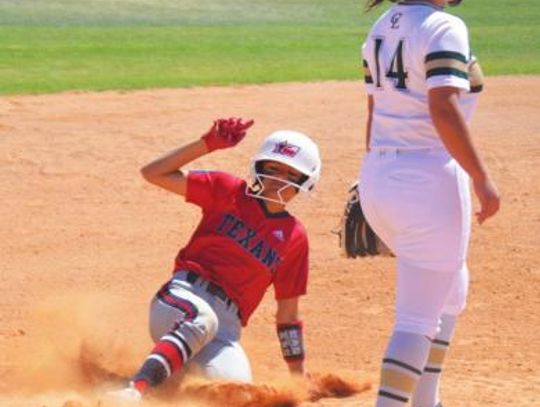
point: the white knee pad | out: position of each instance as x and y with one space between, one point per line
201 330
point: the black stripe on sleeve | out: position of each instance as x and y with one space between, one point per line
447 71
477 89
446 55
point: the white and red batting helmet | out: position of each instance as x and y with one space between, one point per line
291 148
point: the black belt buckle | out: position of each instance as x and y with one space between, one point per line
192 277
211 288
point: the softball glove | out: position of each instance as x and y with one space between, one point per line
356 237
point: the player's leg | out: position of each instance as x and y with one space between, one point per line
426 230
407 350
418 307
427 392
181 324
222 360
400 371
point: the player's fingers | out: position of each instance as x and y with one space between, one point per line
492 211
221 124
229 126
247 124
234 124
480 217
489 209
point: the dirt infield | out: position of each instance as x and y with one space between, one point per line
85 242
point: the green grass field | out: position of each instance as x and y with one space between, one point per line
56 45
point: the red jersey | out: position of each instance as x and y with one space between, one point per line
242 247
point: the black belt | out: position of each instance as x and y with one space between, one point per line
210 288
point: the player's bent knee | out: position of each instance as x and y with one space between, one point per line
163 319
207 322
194 317
201 330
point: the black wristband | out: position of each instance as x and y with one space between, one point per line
291 340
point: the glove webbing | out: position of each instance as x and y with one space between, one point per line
365 239
371 239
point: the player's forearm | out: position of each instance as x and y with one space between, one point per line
369 120
454 132
174 160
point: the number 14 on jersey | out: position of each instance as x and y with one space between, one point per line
395 71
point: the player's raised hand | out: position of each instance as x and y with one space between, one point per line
226 133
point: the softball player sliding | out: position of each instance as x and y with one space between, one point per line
414 183
245 242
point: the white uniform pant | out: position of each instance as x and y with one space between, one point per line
419 204
221 356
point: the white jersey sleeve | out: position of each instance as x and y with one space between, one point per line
469 100
447 53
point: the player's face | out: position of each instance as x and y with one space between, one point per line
278 185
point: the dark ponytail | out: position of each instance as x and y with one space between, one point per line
374 3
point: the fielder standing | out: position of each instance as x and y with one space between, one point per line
414 183
245 242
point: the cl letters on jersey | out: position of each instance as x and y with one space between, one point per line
395 20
